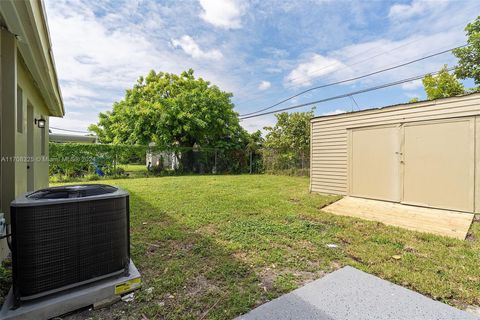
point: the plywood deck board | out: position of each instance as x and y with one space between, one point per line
441 222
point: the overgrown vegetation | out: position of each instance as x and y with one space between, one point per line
287 144
214 247
469 56
181 112
445 84
5 278
88 162
442 85
174 111
285 150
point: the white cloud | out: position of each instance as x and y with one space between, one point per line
415 8
314 67
412 85
367 57
224 14
331 113
99 56
264 85
258 123
187 44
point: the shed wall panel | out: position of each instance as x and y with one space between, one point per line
430 148
329 136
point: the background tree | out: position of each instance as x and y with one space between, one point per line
442 85
288 142
173 111
469 56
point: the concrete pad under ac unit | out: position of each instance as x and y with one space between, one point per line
67 301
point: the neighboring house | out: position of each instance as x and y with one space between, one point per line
72 138
424 153
29 95
164 159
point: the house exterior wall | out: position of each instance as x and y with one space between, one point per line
32 96
17 91
329 171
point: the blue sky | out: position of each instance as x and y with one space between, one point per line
261 50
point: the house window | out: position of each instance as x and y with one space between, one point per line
19 110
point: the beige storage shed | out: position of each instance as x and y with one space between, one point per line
425 153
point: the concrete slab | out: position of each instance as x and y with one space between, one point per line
350 294
437 221
67 301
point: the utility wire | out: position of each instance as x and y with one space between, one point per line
368 58
345 95
353 64
352 79
68 130
354 101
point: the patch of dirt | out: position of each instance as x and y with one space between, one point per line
199 286
268 275
240 255
152 247
305 277
210 229
335 265
177 246
470 236
115 311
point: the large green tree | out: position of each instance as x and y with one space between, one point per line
172 111
442 85
288 142
469 56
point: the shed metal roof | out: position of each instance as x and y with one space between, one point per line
422 103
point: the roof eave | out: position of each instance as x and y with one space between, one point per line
27 20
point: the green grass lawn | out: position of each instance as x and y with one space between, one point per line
134 170
133 167
214 247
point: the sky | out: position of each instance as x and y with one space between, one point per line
260 50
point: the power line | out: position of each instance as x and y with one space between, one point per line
376 48
354 101
355 63
68 130
368 58
345 95
352 79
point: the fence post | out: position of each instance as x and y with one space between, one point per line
115 160
251 161
215 165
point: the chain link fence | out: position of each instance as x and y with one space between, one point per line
286 163
73 161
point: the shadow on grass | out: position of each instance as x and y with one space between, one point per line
186 274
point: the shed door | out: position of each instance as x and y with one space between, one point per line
439 164
374 163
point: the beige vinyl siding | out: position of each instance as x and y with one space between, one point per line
329 135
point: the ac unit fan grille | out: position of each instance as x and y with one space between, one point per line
62 244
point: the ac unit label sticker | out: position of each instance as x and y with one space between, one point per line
128 286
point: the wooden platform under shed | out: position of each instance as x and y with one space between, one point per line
441 222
